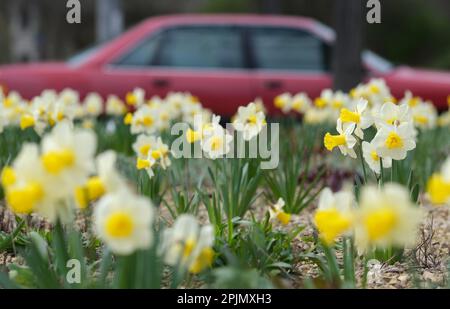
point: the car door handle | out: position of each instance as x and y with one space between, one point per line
160 83
273 84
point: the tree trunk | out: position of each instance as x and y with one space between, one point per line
348 46
272 6
110 19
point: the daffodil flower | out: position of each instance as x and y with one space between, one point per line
217 143
276 212
283 102
386 217
115 106
187 245
249 121
360 117
372 157
394 115
334 216
394 141
136 98
93 104
345 141
107 180
425 115
438 186
124 222
67 157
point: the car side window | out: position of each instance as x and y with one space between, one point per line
143 54
288 49
201 47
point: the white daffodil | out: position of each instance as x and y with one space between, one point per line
410 100
334 215
217 143
93 104
360 117
203 127
144 120
338 101
191 111
345 141
377 92
301 103
36 115
143 145
187 245
394 142
67 156
115 106
207 129
283 102
425 115
147 146
392 114
276 212
372 157
62 111
69 97
249 121
260 107
13 107
442 121
386 217
136 98
165 112
180 101
49 95
326 96
160 152
123 221
318 115
107 172
107 180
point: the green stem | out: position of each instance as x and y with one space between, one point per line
366 270
381 172
349 270
332 262
362 162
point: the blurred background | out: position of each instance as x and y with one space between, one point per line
413 32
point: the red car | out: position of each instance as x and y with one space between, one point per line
225 60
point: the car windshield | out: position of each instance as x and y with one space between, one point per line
83 56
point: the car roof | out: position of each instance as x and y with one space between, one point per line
247 19
110 49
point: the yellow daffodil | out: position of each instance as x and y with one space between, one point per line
386 217
334 216
360 117
345 141
438 186
276 212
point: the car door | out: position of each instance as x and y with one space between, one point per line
206 60
287 60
